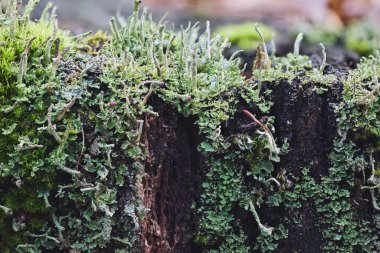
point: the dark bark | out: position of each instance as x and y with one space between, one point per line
169 181
172 173
307 121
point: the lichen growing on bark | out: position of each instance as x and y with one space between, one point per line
81 168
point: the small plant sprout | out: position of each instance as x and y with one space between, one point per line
324 57
297 44
374 73
168 50
45 12
82 35
262 59
153 84
45 196
9 7
59 227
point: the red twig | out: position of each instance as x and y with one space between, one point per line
251 116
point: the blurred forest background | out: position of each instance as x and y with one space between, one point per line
82 15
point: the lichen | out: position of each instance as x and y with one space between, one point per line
72 123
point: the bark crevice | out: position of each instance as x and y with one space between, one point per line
169 180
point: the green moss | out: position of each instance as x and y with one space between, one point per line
317 33
94 43
24 70
362 37
71 152
244 36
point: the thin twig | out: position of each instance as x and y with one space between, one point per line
251 116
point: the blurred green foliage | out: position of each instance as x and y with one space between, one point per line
244 35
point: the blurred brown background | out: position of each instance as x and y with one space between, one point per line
83 15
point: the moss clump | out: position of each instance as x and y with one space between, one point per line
26 68
94 43
84 127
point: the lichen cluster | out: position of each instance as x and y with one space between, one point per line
73 112
72 122
352 163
